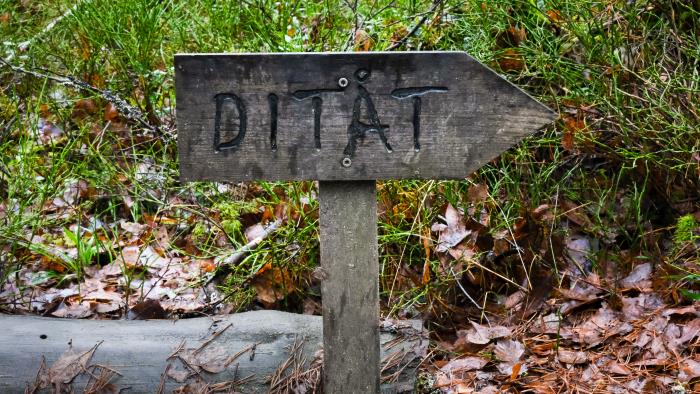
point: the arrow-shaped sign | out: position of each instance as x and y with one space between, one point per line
345 116
352 118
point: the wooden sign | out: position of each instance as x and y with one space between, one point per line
345 116
346 119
